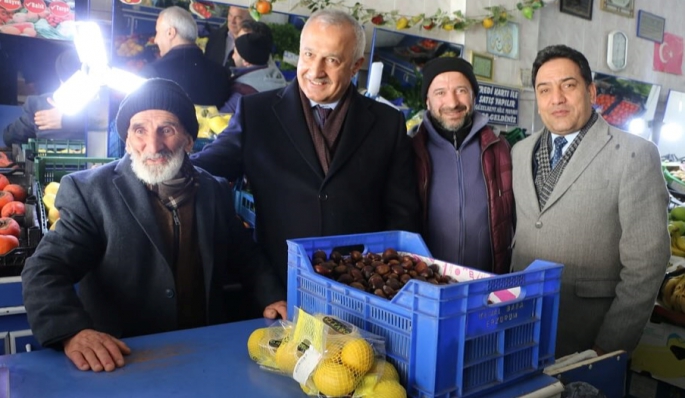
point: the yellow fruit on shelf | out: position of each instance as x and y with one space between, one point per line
49 201
52 227
52 188
218 124
53 215
402 23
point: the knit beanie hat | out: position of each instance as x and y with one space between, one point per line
440 65
254 48
159 94
67 64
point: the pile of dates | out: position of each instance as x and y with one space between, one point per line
380 274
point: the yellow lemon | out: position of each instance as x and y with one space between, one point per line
402 23
52 188
334 379
53 215
385 371
488 23
358 355
387 389
254 344
286 357
49 200
52 227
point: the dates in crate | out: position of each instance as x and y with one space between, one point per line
380 274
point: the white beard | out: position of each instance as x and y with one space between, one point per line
155 174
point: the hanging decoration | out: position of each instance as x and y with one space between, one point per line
495 16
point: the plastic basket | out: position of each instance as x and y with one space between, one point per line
45 147
445 341
12 262
48 169
244 207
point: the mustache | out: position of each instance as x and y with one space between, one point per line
165 154
458 108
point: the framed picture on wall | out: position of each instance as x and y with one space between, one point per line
483 65
624 8
578 8
650 26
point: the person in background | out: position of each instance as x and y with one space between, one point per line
464 172
40 117
253 72
321 158
592 198
222 41
149 239
182 61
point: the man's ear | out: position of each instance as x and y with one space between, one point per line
189 146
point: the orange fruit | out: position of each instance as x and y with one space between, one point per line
263 7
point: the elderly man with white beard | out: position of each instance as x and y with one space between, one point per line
149 239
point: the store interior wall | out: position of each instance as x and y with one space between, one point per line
548 26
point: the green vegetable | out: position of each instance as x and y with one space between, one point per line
286 38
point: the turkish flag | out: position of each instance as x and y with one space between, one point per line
668 56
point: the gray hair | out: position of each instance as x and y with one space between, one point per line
181 20
334 17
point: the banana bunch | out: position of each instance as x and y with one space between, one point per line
676 229
673 293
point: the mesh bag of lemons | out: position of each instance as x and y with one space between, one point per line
327 357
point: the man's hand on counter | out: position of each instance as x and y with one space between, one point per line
274 310
96 351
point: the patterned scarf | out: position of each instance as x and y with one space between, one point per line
326 141
173 193
546 178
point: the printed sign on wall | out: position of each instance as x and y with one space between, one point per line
500 104
37 18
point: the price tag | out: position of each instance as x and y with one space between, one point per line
306 365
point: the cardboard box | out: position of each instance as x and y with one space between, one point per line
661 353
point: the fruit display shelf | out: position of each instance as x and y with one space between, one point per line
671 172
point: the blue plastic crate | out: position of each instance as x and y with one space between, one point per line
445 341
244 206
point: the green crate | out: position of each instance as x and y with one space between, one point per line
66 148
53 168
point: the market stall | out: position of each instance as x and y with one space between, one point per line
204 362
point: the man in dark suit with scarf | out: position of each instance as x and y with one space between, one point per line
321 158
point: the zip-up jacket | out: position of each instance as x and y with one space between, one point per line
496 166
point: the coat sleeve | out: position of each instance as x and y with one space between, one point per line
62 259
224 156
23 128
643 249
257 276
402 208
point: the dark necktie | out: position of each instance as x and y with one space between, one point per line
559 144
323 114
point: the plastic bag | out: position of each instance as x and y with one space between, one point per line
327 357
